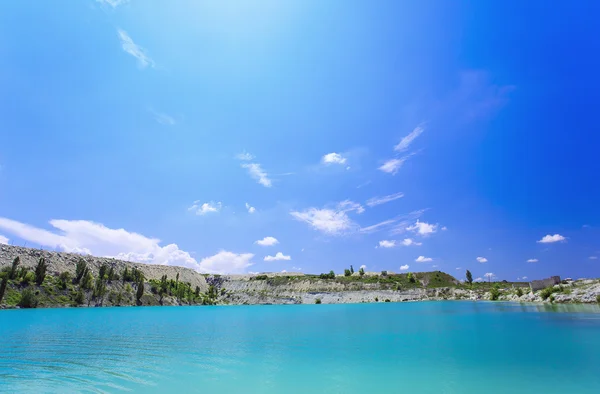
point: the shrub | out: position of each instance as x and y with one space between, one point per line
376 299
383 273
330 275
88 280
79 297
411 277
361 271
347 272
547 292
28 299
318 301
597 298
40 271
519 292
387 300
551 298
494 293
261 277
103 271
63 279
28 278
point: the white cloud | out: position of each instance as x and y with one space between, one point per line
444 228
458 268
330 221
245 156
267 241
532 260
112 3
524 278
250 209
363 267
591 257
435 266
257 173
134 50
423 228
387 244
423 259
404 267
297 268
3 240
478 279
226 262
482 259
164 119
409 242
333 158
203 209
385 199
489 275
82 236
278 256
551 238
406 141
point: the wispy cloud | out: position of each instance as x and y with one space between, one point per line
593 257
532 260
164 119
423 259
3 240
398 224
393 165
278 256
207 207
372 202
112 3
250 208
267 241
482 259
245 156
489 275
134 50
406 141
256 172
404 267
349 206
551 239
333 158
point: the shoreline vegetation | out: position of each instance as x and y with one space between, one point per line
32 278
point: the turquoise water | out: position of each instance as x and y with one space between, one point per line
426 347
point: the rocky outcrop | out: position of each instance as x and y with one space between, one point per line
60 262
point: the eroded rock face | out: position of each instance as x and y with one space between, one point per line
60 262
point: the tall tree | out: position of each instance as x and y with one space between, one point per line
140 292
13 268
3 287
40 271
469 277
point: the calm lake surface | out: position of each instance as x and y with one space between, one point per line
423 347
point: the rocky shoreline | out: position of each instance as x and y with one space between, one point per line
113 285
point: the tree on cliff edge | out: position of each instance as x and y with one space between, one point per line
469 277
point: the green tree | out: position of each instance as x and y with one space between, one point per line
40 271
139 293
411 277
351 269
383 273
469 277
79 297
331 274
3 287
103 271
125 275
347 272
28 278
111 274
99 290
88 279
80 271
13 269
197 292
519 292
317 301
361 271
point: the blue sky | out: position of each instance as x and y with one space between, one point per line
404 136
